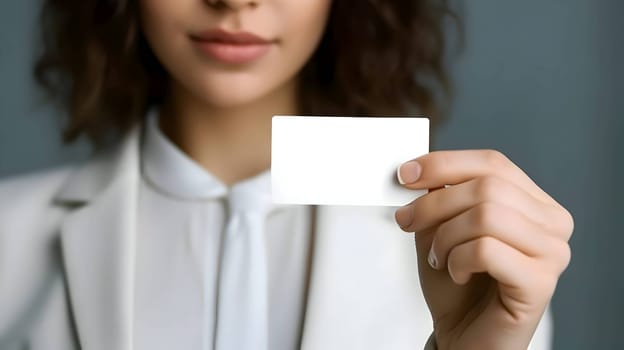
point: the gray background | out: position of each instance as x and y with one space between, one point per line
541 81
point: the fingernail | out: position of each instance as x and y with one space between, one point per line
432 259
409 172
403 216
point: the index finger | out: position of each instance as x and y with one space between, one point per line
440 168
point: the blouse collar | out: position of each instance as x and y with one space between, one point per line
167 168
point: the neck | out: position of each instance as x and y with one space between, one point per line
232 143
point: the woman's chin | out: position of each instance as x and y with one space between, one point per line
231 99
228 95
230 91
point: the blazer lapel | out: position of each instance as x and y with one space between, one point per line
364 290
98 246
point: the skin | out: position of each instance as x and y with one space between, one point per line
491 247
499 242
217 113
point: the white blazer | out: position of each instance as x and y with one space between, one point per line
67 252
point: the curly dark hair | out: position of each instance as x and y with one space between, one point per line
376 57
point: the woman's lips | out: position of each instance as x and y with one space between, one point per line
232 48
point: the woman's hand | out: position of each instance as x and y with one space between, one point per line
491 247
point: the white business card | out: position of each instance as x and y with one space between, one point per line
344 160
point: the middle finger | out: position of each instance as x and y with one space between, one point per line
438 206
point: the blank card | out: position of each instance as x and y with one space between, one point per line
344 160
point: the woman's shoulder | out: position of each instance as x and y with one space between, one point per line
25 194
29 249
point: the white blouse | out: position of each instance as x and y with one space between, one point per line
182 214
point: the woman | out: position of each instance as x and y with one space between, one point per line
133 250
